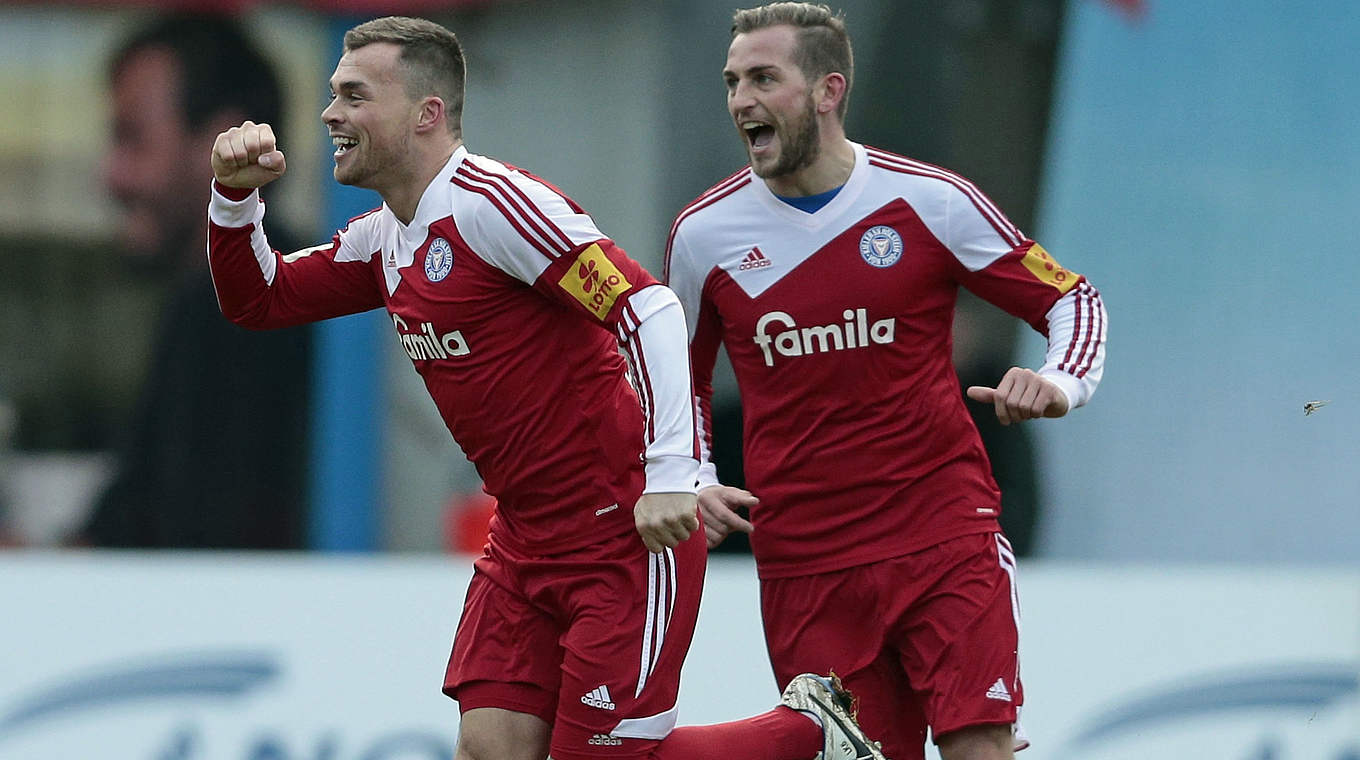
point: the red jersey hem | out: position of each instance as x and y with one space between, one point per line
792 569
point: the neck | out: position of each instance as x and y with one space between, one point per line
405 199
830 170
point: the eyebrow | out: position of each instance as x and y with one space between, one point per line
758 69
348 85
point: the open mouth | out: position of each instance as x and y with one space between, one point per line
343 144
758 134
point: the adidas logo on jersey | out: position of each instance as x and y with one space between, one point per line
426 344
857 332
754 260
599 697
605 740
999 691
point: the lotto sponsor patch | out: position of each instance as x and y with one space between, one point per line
1048 271
594 281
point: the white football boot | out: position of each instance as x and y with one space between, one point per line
825 697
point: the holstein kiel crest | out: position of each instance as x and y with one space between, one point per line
438 260
881 246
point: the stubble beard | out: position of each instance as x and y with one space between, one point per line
373 163
799 146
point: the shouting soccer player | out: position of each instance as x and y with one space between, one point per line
512 306
829 271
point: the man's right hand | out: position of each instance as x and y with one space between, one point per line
719 506
247 156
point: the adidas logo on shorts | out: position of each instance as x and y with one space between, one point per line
999 691
599 697
605 740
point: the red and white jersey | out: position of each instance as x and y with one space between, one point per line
513 307
838 326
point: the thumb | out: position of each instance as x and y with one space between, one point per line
981 393
273 161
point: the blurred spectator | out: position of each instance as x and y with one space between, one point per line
215 453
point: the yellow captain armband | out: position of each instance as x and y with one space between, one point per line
1047 270
595 281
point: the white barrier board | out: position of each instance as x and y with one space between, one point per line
248 657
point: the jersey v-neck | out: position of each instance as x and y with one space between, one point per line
810 204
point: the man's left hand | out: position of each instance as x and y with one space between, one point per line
665 519
1022 395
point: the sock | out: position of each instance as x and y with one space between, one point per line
780 734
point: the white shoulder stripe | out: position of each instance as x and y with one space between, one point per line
984 205
534 213
523 222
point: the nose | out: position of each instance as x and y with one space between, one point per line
330 114
739 98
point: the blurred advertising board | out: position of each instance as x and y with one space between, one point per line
293 657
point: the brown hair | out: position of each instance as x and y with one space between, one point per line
431 55
823 41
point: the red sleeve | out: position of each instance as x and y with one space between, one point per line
1025 283
261 288
703 355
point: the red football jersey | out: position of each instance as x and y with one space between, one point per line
513 307
838 326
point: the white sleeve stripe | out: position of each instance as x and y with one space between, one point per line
249 212
264 254
1086 353
642 381
534 214
1090 333
1077 311
1008 231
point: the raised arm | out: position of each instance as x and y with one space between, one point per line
257 286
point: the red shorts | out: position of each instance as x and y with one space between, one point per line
591 641
929 638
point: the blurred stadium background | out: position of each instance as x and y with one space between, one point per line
1193 588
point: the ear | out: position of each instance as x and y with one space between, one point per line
431 115
830 92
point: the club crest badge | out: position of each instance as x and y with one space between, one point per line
880 246
438 260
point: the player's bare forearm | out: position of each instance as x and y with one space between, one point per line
719 505
247 157
663 520
1022 394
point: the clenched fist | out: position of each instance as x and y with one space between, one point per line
665 519
247 156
